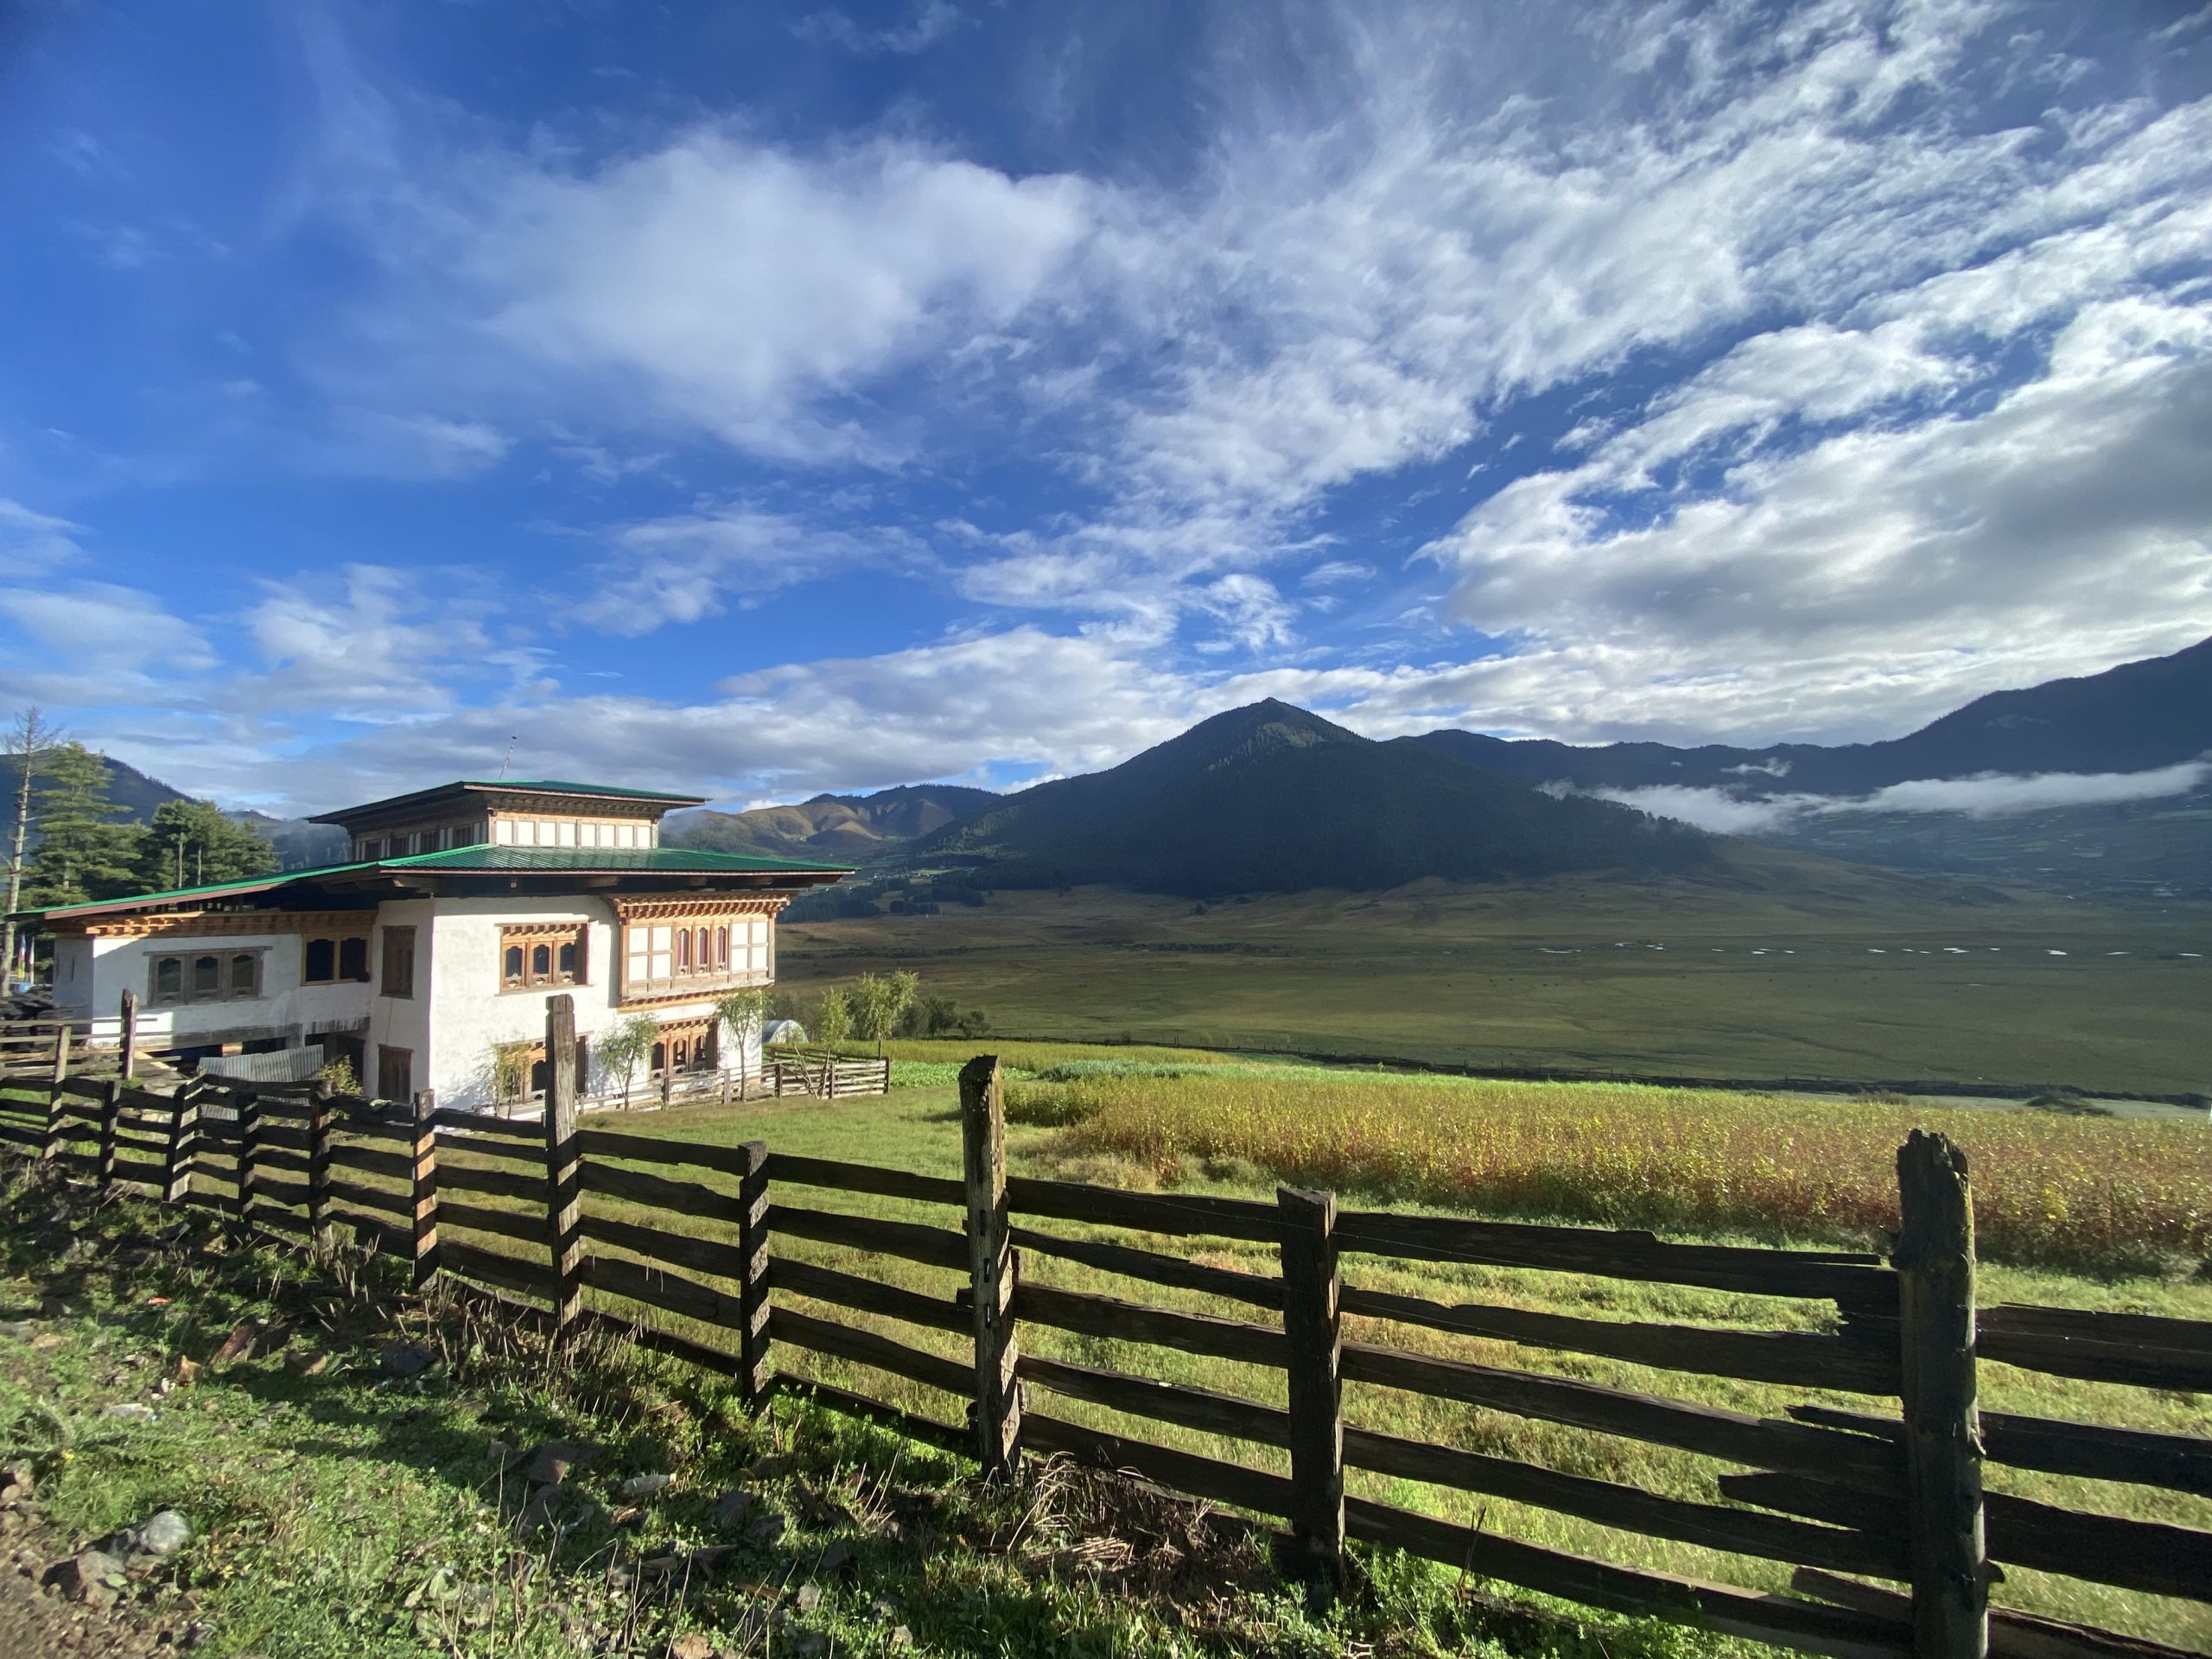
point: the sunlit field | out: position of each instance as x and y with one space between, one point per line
2049 1189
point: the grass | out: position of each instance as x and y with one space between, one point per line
347 1513
1561 976
2049 1189
919 1129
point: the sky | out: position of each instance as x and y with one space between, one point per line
758 400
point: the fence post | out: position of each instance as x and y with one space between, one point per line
249 1155
564 1205
1942 1419
425 1181
110 1114
126 1063
752 1242
51 1147
1312 1333
318 1159
183 1148
990 1257
667 1083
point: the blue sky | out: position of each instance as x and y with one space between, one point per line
763 399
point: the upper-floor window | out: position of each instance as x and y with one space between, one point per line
203 976
533 954
672 955
399 975
328 961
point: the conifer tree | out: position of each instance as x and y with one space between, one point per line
83 853
194 844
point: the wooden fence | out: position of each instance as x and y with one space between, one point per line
1856 1501
824 1072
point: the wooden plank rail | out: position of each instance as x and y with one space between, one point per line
1177 1214
529 1133
528 1227
489 1183
1260 1290
1181 1472
2139 1349
1708 1429
669 1292
938 1246
492 1266
2180 1463
1874 1550
1806 1626
1799 1360
679 1250
864 1178
1107 1316
652 1149
849 1290
2013 1633
1167 1402
1838 1276
868 1348
686 1198
380 1199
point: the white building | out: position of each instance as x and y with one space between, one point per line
427 961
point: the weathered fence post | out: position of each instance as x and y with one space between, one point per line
318 1159
1942 1419
667 1084
1312 1332
183 1148
752 1294
51 1147
111 1115
990 1256
425 1184
127 1059
249 1155
564 1199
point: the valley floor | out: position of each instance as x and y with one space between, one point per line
1822 972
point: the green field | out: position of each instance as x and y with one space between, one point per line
918 1129
1825 972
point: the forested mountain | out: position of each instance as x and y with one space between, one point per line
859 829
1272 798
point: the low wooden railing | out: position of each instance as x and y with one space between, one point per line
1854 1500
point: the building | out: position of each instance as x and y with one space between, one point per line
427 960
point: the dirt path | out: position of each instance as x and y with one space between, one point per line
37 1622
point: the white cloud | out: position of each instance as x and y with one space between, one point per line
687 566
34 543
931 22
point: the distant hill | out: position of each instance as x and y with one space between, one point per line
127 787
2133 718
1270 799
855 828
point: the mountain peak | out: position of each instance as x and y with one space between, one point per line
1257 728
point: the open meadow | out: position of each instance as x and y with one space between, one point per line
1213 1124
1838 974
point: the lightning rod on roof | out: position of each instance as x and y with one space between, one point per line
507 757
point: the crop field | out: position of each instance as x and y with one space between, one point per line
918 1129
1873 979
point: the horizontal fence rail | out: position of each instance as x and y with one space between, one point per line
695 1258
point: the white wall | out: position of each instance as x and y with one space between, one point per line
472 1015
118 964
402 1022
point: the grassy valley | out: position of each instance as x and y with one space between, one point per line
1773 965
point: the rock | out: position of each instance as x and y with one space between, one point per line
883 1607
188 1370
498 1452
128 1411
733 1507
236 1346
404 1359
807 1597
805 1644
901 1637
772 1468
162 1533
765 1530
834 1556
690 1646
640 1486
18 1482
304 1362
86 1576
21 1330
552 1461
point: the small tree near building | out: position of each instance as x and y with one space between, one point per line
877 1003
744 1011
833 1021
629 1043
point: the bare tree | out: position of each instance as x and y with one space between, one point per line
29 738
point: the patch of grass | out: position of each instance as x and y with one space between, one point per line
2101 1196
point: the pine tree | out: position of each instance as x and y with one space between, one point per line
82 853
194 844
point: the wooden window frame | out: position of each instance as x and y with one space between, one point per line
225 958
530 937
396 935
385 1052
337 941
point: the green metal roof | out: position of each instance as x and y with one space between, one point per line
550 786
511 860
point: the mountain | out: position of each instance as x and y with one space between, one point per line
1272 798
300 845
832 829
2133 718
127 787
